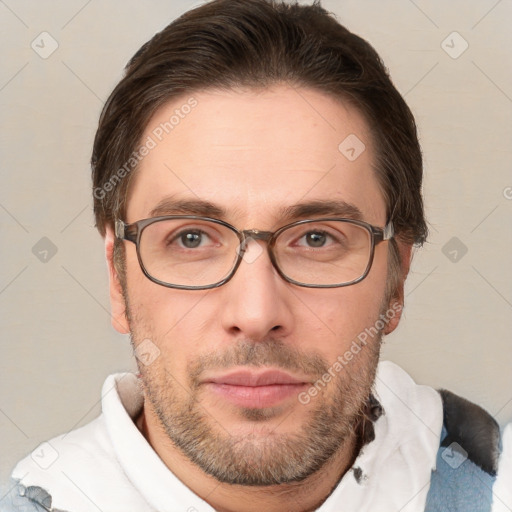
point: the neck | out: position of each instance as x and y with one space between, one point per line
307 495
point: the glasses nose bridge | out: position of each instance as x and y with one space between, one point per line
256 234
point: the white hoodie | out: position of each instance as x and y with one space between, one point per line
108 465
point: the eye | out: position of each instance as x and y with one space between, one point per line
315 239
190 239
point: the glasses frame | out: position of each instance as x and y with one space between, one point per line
132 233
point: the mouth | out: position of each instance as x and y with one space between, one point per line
256 389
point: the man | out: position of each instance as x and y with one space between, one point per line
257 181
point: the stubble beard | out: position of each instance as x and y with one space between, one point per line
268 457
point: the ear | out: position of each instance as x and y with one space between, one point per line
117 304
396 302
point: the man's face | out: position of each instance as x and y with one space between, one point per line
235 359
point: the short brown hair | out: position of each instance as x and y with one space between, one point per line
258 43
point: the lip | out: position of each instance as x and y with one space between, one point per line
256 389
255 379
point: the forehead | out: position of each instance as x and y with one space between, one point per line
256 153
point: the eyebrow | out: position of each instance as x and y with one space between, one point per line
334 208
170 206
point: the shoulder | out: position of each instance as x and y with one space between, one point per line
88 446
60 468
467 460
502 489
80 470
473 428
26 499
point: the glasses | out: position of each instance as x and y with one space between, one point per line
197 253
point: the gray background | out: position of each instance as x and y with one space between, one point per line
57 342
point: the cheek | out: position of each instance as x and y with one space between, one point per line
346 315
173 319
341 314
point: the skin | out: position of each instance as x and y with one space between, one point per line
253 153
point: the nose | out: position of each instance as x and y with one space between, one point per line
256 301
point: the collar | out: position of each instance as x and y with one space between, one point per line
393 470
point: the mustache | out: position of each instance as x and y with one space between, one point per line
268 352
